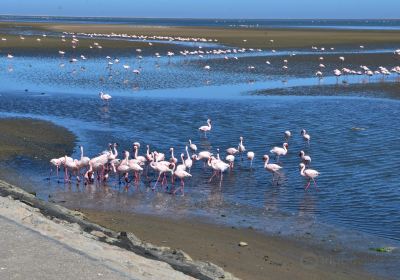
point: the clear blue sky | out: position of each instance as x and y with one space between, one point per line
207 8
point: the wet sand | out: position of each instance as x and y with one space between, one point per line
39 140
382 89
33 140
255 38
265 257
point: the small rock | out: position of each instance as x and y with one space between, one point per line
98 234
243 244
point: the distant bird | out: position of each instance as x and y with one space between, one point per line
206 128
104 96
271 167
192 146
305 158
310 174
241 147
232 151
250 156
306 136
181 174
278 151
288 134
231 160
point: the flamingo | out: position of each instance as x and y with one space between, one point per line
83 161
149 156
271 167
305 158
72 165
278 151
141 159
89 178
134 165
57 162
113 153
173 158
104 96
99 162
218 166
206 128
250 156
306 136
188 162
181 174
288 134
203 155
241 147
192 146
162 169
124 168
183 165
310 174
232 151
231 160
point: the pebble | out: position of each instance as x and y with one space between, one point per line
243 244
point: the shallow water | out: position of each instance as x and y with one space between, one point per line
171 98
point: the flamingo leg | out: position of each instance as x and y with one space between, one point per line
309 182
214 174
155 185
315 184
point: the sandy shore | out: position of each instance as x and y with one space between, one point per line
119 251
36 139
265 257
255 38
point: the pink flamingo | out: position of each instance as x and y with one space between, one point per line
250 156
57 162
218 166
278 151
271 167
310 174
72 165
181 174
203 155
206 128
188 162
306 136
305 158
162 169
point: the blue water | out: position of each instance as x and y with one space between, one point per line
171 98
371 24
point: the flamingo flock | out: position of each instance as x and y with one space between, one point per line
130 166
225 52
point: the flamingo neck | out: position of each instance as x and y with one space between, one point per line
136 153
81 151
302 170
266 162
187 152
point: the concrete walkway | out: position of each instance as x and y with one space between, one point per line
26 254
33 246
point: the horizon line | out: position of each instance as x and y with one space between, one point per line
197 18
